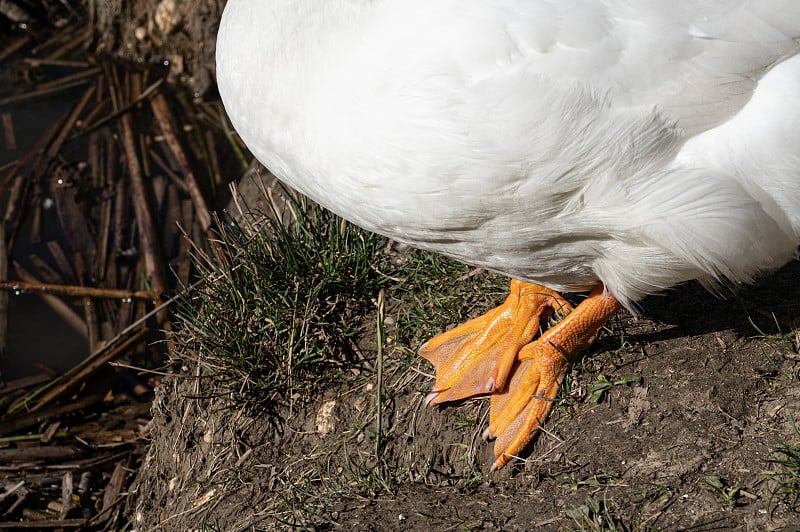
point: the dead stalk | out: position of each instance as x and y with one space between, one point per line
165 121
75 291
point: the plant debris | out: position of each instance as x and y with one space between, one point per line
98 218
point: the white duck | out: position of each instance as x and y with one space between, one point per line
606 145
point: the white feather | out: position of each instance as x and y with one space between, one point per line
641 144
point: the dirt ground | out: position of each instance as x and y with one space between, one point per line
719 390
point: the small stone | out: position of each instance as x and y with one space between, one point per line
325 421
167 17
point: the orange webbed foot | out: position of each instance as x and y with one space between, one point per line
517 412
476 357
494 354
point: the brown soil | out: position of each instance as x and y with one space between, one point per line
716 397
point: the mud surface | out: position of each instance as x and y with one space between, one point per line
718 392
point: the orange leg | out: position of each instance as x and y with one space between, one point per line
517 411
477 357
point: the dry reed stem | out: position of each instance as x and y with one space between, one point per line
59 307
8 132
119 111
43 140
165 121
76 291
13 48
43 92
69 123
25 420
143 207
90 366
65 267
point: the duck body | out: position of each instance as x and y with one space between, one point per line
623 147
641 144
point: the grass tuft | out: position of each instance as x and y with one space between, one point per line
727 492
595 516
276 312
784 485
602 385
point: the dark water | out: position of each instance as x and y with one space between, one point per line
36 334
